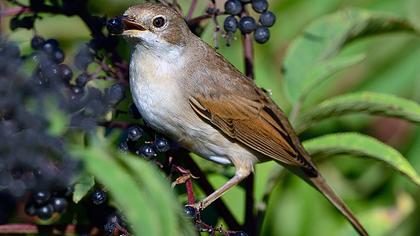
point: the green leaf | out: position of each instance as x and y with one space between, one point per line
362 145
364 102
82 187
140 192
313 56
159 190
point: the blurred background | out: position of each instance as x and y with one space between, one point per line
385 201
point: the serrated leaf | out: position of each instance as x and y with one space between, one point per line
136 195
321 42
362 145
82 187
364 102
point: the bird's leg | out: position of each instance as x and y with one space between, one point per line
240 174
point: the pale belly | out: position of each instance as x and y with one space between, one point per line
167 112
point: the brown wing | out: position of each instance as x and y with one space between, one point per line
253 123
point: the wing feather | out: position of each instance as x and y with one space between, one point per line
252 123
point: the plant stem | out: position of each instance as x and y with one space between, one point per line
250 217
192 9
205 185
248 55
44 229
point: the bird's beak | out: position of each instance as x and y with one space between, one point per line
130 25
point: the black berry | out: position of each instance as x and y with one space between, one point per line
58 56
82 79
230 24
83 57
247 24
261 34
76 90
134 133
147 151
37 42
109 228
59 204
41 197
259 5
66 73
98 197
267 19
162 144
233 7
50 46
45 212
190 211
116 93
115 25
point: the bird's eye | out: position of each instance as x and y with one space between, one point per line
158 22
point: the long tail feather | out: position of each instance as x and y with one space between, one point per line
319 183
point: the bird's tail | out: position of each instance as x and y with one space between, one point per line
318 182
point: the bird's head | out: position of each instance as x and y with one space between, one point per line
155 26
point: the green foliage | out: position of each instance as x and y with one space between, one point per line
361 145
82 187
314 56
364 102
139 190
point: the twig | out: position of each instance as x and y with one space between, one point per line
205 185
190 192
248 55
249 224
250 217
38 229
192 9
12 10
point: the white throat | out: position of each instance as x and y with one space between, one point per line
153 83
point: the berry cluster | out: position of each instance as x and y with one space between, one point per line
247 24
133 142
41 166
41 160
44 204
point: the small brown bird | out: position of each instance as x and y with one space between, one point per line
189 92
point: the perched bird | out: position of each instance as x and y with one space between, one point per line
186 90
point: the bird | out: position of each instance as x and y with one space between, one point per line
186 90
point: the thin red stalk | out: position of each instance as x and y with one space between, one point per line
192 9
36 229
14 11
208 189
190 192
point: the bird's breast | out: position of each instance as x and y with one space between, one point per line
156 94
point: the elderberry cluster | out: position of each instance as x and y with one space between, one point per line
40 160
247 24
135 142
44 204
41 165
